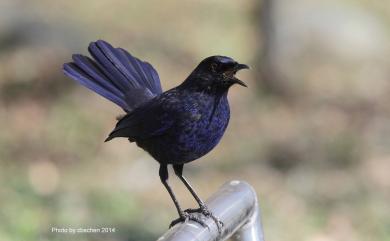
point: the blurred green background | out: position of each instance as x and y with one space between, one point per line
311 133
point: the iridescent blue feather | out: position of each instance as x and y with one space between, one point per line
115 74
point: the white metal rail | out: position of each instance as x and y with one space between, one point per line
235 204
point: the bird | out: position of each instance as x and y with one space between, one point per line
175 127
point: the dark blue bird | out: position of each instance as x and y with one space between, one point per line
174 127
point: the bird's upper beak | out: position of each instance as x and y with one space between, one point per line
236 69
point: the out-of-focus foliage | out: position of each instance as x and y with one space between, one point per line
319 157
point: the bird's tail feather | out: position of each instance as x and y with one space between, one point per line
115 74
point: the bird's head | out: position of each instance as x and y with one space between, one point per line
216 72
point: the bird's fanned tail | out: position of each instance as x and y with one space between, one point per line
115 74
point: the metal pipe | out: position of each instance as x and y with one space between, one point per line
235 204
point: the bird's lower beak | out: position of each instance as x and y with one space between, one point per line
237 68
237 81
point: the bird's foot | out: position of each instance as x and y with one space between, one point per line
206 212
185 216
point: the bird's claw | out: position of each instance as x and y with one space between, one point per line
202 209
184 217
193 210
206 212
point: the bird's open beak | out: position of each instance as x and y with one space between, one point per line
236 69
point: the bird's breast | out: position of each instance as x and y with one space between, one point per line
204 127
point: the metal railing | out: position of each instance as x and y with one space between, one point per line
235 204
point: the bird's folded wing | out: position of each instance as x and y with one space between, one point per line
151 119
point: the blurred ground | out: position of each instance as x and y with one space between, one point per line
318 156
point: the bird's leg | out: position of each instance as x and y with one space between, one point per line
202 206
183 216
164 179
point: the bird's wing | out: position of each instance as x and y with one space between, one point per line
154 118
115 74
